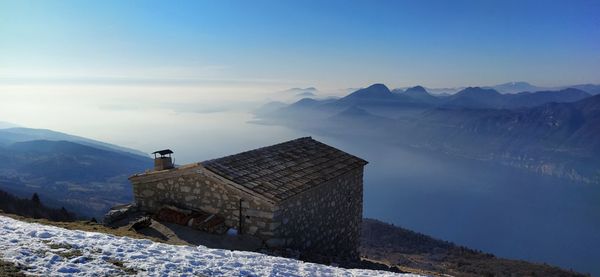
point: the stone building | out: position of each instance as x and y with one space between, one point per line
299 194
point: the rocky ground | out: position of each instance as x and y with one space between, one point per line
8 269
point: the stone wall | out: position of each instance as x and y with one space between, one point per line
325 219
196 188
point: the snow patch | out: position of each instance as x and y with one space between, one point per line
97 254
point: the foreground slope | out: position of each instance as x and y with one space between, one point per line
54 251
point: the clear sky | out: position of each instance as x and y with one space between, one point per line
279 44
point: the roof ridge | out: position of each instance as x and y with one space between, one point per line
260 148
284 169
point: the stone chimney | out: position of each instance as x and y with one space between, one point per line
163 160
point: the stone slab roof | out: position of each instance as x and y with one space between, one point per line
286 169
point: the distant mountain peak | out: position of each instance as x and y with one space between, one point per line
304 102
308 89
373 91
416 89
378 86
589 88
518 83
306 94
572 90
477 90
515 87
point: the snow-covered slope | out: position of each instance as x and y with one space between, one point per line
48 250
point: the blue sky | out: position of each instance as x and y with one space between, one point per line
331 44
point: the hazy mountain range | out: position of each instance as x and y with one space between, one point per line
553 132
10 134
294 94
514 87
83 175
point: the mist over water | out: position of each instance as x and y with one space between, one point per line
501 210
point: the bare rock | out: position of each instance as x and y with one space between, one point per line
141 223
117 213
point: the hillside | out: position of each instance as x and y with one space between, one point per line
409 251
48 250
558 139
88 179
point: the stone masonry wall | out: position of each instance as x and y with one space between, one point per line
197 188
326 219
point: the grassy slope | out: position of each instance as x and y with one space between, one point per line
413 251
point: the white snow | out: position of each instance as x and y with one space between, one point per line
39 247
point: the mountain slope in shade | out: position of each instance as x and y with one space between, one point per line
69 161
532 99
589 88
373 92
419 93
475 97
558 139
82 178
12 135
305 103
480 98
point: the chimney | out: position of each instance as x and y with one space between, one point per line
162 159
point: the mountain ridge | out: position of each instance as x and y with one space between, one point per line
19 134
88 179
484 125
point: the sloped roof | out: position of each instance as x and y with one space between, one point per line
286 169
